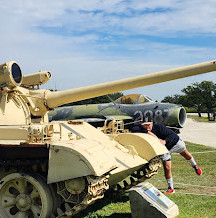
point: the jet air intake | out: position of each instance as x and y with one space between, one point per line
182 117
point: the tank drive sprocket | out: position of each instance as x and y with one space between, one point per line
80 192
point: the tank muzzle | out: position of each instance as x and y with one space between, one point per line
10 74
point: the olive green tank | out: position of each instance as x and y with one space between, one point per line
56 169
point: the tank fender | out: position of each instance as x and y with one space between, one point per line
69 160
145 145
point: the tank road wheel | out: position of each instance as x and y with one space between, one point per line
25 196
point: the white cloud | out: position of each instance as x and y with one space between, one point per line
147 17
91 45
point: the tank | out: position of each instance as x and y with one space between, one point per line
55 169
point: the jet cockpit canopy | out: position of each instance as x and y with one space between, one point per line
133 99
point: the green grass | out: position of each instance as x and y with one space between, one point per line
200 119
199 203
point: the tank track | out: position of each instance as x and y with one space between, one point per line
22 162
146 172
72 204
25 165
95 188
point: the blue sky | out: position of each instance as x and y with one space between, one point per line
84 42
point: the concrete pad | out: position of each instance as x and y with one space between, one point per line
199 132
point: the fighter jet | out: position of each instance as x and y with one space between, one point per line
133 108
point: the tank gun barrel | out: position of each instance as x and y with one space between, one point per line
58 98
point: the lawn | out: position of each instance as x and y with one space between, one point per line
195 195
200 119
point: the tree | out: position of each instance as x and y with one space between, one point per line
175 99
201 96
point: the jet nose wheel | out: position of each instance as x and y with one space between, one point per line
24 196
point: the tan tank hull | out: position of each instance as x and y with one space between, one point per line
69 153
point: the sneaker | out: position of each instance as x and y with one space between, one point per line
170 191
198 170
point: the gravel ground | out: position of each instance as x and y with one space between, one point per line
199 132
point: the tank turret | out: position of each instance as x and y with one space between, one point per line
57 169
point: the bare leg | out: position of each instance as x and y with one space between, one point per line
167 169
190 158
186 154
168 175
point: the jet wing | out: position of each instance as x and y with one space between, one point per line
119 117
102 119
92 120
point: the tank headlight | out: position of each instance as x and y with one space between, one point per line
10 74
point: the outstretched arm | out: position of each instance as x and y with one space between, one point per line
151 133
162 141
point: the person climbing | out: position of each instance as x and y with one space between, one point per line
173 143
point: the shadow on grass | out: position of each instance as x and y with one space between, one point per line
99 204
119 215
